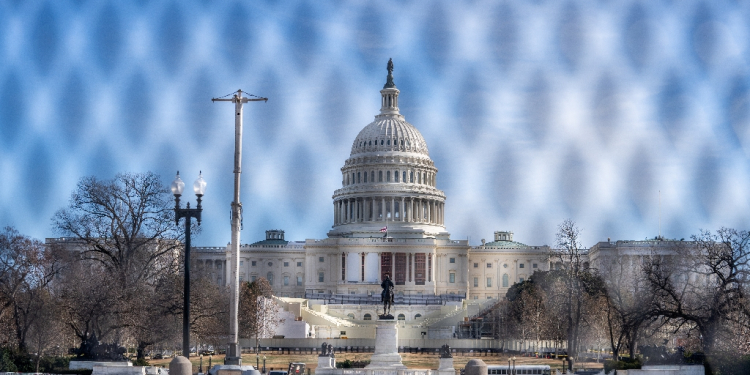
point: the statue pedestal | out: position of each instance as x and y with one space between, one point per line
386 347
326 362
446 367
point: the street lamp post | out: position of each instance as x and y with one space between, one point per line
264 363
199 187
514 364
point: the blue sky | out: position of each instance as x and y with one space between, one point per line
605 112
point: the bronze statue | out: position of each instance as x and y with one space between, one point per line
387 297
389 83
445 352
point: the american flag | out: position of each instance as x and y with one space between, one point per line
384 229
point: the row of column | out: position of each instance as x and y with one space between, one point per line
393 209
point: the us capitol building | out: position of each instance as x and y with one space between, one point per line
388 218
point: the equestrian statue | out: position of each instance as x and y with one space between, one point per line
387 297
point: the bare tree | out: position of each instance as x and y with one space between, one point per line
26 269
126 224
703 284
124 234
628 301
259 314
571 253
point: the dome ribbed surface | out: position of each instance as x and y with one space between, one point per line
389 133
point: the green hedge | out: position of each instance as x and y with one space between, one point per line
624 364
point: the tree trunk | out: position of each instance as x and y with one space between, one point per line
141 350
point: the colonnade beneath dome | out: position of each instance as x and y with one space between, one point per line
388 209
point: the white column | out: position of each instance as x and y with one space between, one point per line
429 211
356 207
402 210
365 210
393 208
382 208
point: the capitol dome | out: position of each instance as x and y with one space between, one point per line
389 134
389 181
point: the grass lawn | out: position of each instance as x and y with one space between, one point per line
423 361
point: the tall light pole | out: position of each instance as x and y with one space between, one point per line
199 187
234 356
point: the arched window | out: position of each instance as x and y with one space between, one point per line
372 176
404 176
388 176
359 177
505 280
418 315
269 276
350 315
367 317
401 317
365 177
395 176
380 176
411 177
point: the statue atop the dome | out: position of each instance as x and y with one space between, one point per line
389 84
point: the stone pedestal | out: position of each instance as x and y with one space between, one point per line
475 367
326 362
180 366
386 355
446 367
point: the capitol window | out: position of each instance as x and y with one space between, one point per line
359 177
380 176
367 317
252 263
299 264
489 265
388 143
365 177
403 175
286 264
395 176
321 277
521 265
533 265
372 176
411 177
269 276
388 176
452 260
286 280
476 265
476 282
489 282
452 277
270 264
381 142
299 280
321 259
